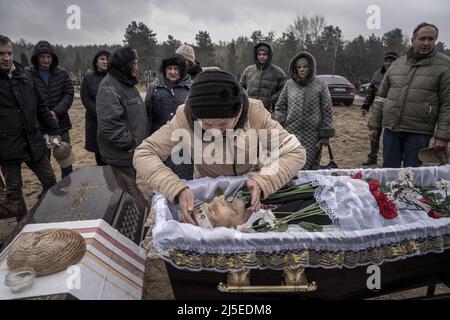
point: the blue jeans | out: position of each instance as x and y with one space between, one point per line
403 147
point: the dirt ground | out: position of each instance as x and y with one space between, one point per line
350 147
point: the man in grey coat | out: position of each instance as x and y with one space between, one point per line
121 114
264 80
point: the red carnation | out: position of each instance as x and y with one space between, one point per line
357 176
425 201
387 208
435 214
374 185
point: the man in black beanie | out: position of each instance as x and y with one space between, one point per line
377 78
217 102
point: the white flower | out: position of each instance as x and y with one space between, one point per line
407 184
443 185
269 218
244 228
406 175
393 186
391 196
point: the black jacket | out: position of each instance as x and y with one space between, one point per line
264 82
163 99
195 70
122 121
23 112
59 92
377 78
88 93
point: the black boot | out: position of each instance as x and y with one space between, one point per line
369 161
17 198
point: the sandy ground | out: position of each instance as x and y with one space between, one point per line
351 147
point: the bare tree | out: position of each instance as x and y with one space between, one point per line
307 29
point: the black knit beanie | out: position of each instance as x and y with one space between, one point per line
215 94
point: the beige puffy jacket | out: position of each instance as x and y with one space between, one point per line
149 156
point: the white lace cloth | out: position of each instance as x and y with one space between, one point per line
348 201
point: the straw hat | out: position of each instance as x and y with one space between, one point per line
64 155
434 156
48 251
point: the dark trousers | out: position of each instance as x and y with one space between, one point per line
98 159
13 178
65 137
403 147
374 148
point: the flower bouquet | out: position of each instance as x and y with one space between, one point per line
434 200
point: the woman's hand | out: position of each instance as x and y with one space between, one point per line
255 191
186 200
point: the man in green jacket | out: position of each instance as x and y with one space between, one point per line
413 102
264 80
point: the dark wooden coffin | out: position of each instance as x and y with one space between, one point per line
345 283
93 193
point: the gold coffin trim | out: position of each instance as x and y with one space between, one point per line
294 281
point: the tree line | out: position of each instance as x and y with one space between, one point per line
356 59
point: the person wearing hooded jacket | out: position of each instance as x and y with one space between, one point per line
163 98
218 103
55 86
304 108
88 93
121 115
263 80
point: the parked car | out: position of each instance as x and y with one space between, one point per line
341 90
363 89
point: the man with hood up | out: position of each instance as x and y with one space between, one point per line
88 93
264 80
304 108
55 86
121 116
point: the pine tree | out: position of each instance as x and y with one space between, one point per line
205 48
24 59
143 39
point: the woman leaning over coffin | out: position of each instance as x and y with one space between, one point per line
216 109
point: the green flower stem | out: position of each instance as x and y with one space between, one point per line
312 210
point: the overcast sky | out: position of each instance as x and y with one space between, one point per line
104 21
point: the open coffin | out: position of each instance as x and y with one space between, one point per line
410 250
